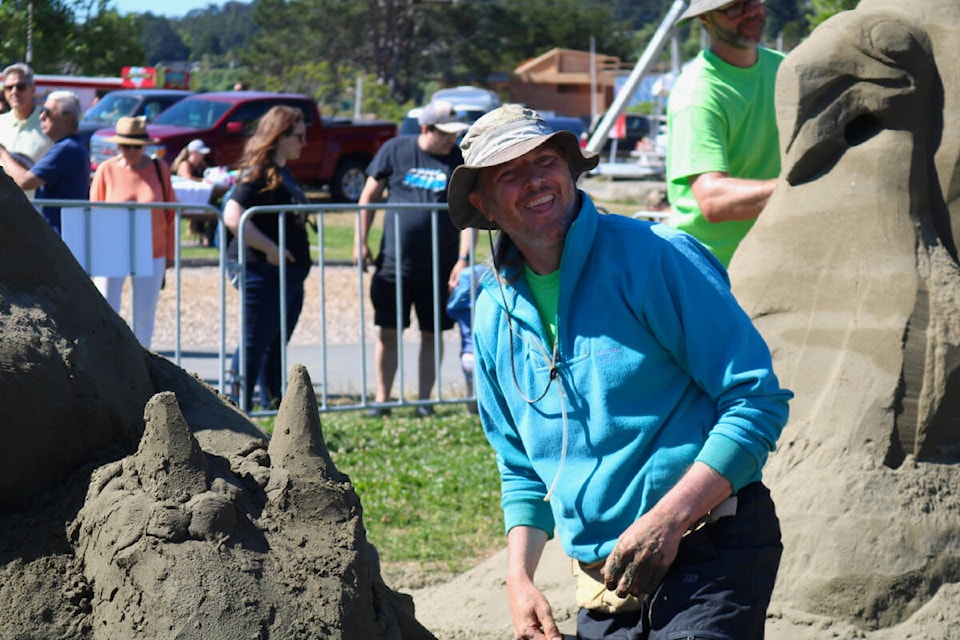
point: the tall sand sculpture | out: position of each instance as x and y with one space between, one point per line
137 503
851 273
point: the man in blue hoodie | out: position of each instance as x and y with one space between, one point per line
629 399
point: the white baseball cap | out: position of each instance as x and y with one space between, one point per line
442 115
198 146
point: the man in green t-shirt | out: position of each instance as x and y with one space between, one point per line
723 151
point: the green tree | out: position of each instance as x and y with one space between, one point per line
51 33
217 31
823 9
781 14
160 41
405 44
106 42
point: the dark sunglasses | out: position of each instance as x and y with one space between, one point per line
738 9
130 146
301 136
20 86
47 113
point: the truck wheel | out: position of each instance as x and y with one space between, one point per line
348 180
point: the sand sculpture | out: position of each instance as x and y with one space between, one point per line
852 275
137 503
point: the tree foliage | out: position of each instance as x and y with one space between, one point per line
402 50
106 43
823 9
47 36
99 44
160 40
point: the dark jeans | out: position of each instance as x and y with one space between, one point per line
718 588
262 339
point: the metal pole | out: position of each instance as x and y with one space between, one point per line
28 58
437 329
593 80
358 99
633 81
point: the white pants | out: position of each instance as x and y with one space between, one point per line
146 291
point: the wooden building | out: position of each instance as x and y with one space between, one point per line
560 81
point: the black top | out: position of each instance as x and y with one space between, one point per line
415 176
252 194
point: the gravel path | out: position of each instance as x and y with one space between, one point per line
201 310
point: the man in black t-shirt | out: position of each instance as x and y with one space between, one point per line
413 169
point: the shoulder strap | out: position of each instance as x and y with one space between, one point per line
292 187
163 187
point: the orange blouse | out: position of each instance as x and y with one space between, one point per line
115 182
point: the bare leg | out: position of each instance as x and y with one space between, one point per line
426 371
386 361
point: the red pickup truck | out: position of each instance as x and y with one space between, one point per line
336 153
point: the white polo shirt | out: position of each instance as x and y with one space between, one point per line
24 137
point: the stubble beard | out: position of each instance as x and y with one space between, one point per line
735 38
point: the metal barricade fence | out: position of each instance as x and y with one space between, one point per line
320 210
438 279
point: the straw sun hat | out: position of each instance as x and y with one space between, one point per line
132 131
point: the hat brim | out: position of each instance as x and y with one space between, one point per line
699 8
451 127
464 179
137 142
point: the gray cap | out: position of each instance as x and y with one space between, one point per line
504 134
699 7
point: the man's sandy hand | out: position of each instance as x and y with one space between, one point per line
643 554
531 614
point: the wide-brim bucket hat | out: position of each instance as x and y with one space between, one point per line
504 134
132 131
699 7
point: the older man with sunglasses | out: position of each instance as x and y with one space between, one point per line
63 173
21 133
723 153
630 401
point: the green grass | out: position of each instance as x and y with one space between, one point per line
338 228
429 487
337 239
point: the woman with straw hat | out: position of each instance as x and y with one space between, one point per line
133 176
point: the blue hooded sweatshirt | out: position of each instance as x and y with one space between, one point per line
657 366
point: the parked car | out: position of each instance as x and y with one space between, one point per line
468 97
127 102
336 153
567 123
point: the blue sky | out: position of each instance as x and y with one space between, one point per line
169 8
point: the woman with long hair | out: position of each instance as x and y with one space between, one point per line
266 180
133 176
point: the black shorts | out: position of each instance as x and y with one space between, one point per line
415 292
719 586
